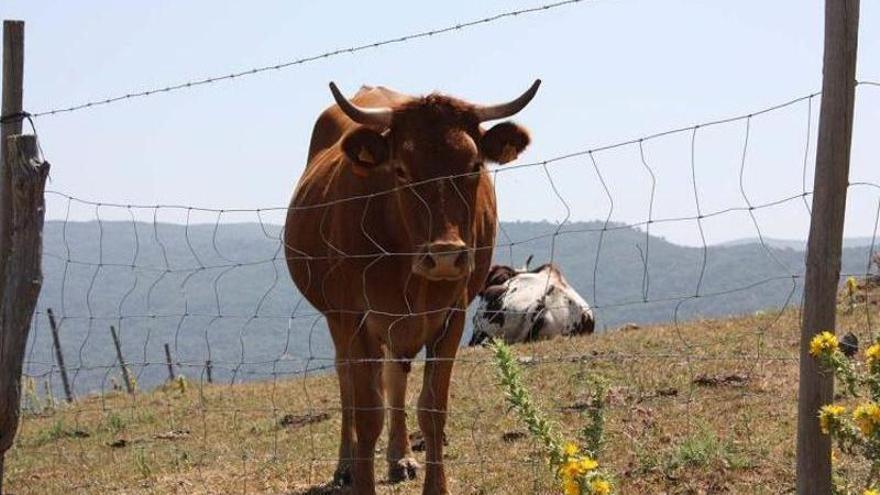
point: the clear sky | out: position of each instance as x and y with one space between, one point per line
612 71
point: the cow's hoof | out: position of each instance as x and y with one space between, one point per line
402 470
342 475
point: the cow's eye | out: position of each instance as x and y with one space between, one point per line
402 174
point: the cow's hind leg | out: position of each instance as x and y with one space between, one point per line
401 463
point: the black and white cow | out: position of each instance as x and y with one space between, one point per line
525 305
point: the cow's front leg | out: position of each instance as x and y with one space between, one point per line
369 411
342 475
401 463
340 329
434 399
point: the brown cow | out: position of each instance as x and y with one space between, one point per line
390 235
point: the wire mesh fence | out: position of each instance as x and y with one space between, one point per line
257 410
193 365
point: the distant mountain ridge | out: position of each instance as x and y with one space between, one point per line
798 245
223 292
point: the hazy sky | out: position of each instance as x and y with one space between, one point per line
612 71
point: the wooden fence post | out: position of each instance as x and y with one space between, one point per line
168 362
59 357
13 88
208 370
830 185
15 265
128 385
23 278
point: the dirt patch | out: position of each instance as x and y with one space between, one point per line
513 436
298 421
172 435
321 489
660 392
417 441
733 379
79 434
118 443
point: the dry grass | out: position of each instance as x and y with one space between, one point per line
669 428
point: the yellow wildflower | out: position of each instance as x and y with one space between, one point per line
871 491
587 464
571 487
568 470
570 449
829 414
852 285
600 487
577 466
824 343
867 417
872 355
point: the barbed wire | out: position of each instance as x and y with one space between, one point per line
311 58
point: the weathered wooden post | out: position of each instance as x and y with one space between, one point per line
13 88
169 363
22 207
59 357
23 278
208 371
816 388
128 385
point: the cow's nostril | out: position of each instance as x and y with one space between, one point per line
443 260
446 260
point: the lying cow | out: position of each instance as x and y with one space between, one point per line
525 305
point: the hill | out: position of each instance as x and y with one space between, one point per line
798 245
706 406
222 292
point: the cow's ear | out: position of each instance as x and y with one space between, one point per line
497 275
365 148
504 142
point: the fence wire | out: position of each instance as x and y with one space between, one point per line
259 409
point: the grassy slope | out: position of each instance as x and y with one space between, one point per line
666 434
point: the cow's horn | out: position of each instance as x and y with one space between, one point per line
504 110
380 117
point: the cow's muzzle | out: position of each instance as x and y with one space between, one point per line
446 260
